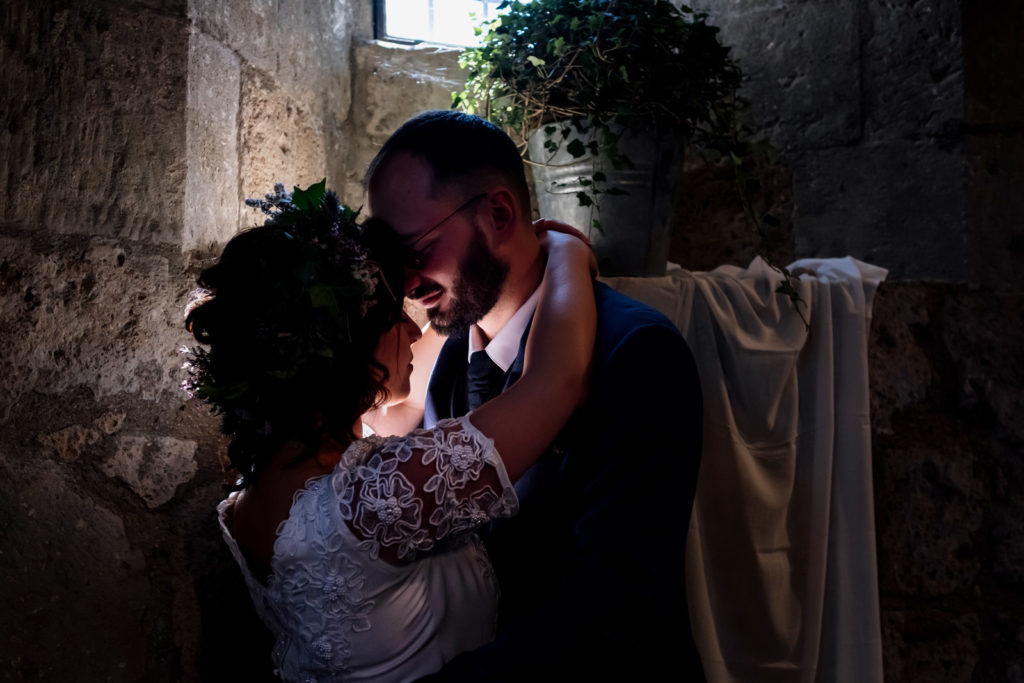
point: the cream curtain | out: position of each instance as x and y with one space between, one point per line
781 569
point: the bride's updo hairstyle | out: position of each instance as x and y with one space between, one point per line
289 318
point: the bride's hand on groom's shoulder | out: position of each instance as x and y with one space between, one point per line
565 245
542 225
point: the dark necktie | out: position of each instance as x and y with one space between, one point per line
483 380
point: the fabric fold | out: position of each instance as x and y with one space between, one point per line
781 570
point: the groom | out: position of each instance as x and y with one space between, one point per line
592 568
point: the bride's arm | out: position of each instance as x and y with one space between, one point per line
527 417
410 491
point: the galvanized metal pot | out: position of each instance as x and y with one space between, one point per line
636 227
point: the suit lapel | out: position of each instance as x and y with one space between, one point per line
447 383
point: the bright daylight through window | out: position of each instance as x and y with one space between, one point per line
448 22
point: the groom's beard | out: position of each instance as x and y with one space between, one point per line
481 277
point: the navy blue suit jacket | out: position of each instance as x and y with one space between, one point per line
592 569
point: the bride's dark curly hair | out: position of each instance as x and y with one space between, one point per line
290 316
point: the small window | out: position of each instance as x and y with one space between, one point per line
449 22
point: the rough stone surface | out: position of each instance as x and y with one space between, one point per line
152 466
930 645
302 47
391 85
212 204
913 87
988 358
994 81
995 206
901 373
870 202
280 141
948 469
92 127
710 227
931 510
89 312
75 588
802 66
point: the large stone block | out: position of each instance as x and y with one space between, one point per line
802 66
394 83
302 46
92 131
93 313
930 645
153 466
899 366
994 78
281 141
710 227
898 205
930 505
75 589
1007 528
995 209
986 357
212 204
913 81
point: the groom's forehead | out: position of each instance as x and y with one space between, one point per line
403 193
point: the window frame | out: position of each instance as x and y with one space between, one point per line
380 27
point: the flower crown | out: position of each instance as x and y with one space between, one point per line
281 310
300 208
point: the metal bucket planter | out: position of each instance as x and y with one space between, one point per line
636 227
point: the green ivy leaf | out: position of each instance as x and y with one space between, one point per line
557 46
322 296
576 148
311 197
536 61
584 199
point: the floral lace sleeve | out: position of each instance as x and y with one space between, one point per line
401 495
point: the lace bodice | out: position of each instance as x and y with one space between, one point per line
354 593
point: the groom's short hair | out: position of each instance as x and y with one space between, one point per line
460 149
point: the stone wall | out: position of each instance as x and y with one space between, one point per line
130 132
899 128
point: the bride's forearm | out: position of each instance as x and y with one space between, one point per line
526 418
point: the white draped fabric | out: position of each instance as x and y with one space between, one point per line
781 569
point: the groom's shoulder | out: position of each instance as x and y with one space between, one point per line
619 316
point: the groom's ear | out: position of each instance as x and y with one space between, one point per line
504 212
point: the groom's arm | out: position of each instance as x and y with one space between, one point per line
621 610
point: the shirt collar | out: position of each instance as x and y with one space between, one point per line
504 347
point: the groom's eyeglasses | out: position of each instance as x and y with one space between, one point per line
415 257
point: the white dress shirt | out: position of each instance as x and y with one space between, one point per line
504 347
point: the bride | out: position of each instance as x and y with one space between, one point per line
358 551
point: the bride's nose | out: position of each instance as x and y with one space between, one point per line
412 280
413 330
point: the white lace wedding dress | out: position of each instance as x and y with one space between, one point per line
338 609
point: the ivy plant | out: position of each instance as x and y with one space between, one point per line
584 71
